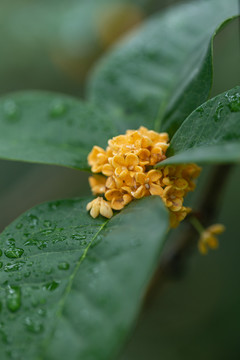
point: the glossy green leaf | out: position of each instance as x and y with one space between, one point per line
162 72
71 286
51 128
52 44
211 134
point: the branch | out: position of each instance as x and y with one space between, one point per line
172 261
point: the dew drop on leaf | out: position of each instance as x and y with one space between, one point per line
217 115
63 266
14 252
200 110
58 108
0 252
3 334
39 243
33 325
13 298
13 267
19 226
51 285
47 231
54 205
1 264
10 242
11 110
41 312
234 102
33 220
79 237
47 223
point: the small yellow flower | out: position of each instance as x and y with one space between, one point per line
97 184
173 198
149 184
118 198
100 206
97 158
177 216
208 239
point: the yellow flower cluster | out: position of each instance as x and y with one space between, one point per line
127 173
208 239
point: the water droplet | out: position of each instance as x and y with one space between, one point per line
47 231
11 110
217 115
10 242
63 266
78 237
13 267
19 226
3 334
54 205
33 220
47 223
13 298
200 110
14 252
41 312
0 252
41 244
234 102
33 325
51 285
58 108
1 264
60 239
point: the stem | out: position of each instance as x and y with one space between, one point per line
196 224
172 261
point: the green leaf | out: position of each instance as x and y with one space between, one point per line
71 286
51 128
162 72
211 134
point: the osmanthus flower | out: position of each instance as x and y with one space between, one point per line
100 206
208 238
98 184
124 172
148 184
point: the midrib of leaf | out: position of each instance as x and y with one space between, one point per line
68 288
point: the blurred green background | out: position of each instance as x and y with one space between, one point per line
53 46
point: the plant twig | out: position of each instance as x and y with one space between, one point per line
172 261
